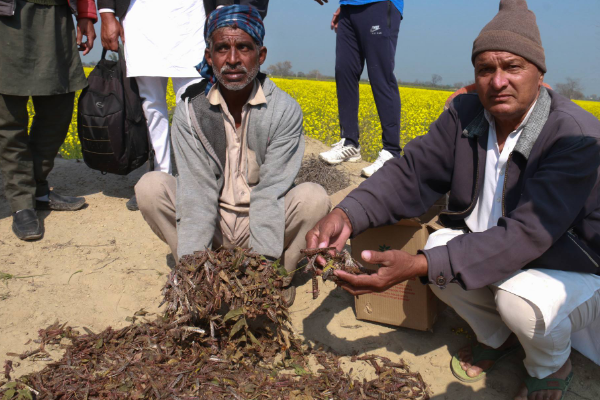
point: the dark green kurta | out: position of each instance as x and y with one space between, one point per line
38 51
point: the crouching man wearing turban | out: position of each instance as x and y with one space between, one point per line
238 145
520 253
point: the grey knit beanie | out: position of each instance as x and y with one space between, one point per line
514 30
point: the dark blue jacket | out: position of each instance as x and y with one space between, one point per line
550 202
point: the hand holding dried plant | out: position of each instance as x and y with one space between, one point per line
395 266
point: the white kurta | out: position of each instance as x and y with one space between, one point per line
164 37
567 290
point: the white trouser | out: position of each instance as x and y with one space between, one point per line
494 313
153 91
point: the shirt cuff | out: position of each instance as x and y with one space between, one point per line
106 10
439 268
356 214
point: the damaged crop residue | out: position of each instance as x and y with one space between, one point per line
225 335
318 171
338 261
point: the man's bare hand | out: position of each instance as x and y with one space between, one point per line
85 27
334 229
321 2
396 266
110 32
335 19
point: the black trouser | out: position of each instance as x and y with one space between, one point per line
26 160
368 33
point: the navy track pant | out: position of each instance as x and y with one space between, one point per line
368 33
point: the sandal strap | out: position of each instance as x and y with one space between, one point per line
535 384
481 354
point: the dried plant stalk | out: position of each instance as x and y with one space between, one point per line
318 171
210 344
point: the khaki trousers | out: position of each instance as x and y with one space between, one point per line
305 205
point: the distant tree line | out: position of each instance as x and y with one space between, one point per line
284 69
571 88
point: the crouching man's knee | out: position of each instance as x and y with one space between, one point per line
521 316
153 190
308 200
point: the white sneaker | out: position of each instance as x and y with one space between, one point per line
384 155
340 153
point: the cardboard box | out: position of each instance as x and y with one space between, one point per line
409 304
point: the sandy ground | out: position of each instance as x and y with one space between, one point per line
99 265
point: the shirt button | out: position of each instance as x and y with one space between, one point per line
498 199
440 281
242 193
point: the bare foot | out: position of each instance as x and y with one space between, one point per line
465 357
562 373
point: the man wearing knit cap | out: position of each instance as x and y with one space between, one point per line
519 254
238 144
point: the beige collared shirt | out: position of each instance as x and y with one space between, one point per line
241 170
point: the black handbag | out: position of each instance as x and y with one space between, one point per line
110 120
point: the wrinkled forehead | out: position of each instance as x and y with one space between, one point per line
231 33
495 57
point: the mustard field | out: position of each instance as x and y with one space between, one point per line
420 107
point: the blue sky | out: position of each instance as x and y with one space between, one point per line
436 37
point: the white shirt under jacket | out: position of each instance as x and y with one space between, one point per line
164 38
568 290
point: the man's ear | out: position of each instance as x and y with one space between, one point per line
207 57
262 55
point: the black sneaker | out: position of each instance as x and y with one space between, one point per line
132 204
60 203
26 225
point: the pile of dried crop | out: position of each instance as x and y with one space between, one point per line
318 171
225 335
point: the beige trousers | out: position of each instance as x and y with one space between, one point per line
305 205
494 313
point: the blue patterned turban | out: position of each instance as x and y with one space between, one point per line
244 17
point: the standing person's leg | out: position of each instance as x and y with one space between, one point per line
379 28
50 126
16 165
349 64
16 160
153 91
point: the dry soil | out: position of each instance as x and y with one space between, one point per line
99 265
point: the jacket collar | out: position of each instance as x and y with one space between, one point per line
534 125
479 126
